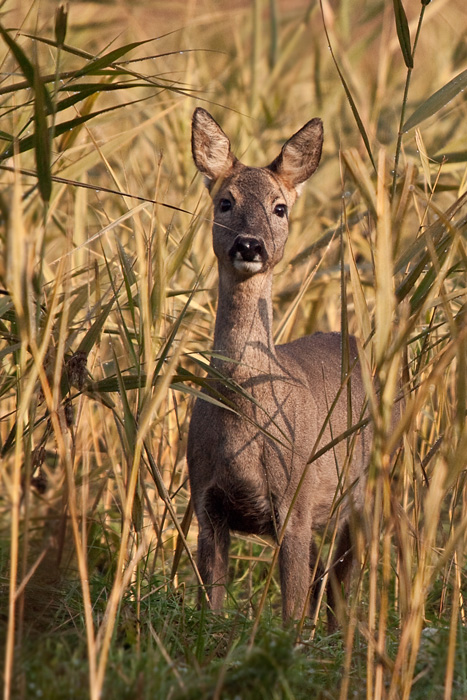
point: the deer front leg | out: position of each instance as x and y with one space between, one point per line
294 567
339 578
316 568
213 554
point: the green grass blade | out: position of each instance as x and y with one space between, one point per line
129 421
59 129
436 231
438 100
127 333
403 32
129 278
93 334
97 64
450 157
84 90
110 385
61 22
21 58
350 99
42 135
172 336
4 136
27 68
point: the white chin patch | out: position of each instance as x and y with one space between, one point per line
248 268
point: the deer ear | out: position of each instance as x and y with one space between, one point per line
300 155
210 146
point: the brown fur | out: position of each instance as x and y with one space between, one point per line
245 469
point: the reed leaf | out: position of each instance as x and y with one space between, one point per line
383 265
42 137
59 129
349 96
437 101
28 69
403 32
92 336
97 64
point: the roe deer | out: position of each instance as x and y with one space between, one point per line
245 465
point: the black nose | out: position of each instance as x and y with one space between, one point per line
248 249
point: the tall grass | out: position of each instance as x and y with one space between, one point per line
107 305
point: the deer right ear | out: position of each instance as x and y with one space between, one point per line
210 146
300 155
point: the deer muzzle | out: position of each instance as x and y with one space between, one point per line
248 254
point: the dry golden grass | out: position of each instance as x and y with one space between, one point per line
106 316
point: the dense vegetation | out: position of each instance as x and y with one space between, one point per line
108 288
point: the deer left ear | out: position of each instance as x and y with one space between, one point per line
210 147
300 155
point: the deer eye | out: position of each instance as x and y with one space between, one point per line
225 205
280 210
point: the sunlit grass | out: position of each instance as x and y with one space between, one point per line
108 300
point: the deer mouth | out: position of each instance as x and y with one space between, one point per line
247 268
248 255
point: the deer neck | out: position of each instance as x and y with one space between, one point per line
243 330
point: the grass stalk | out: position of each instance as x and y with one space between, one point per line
15 498
405 97
456 593
257 9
